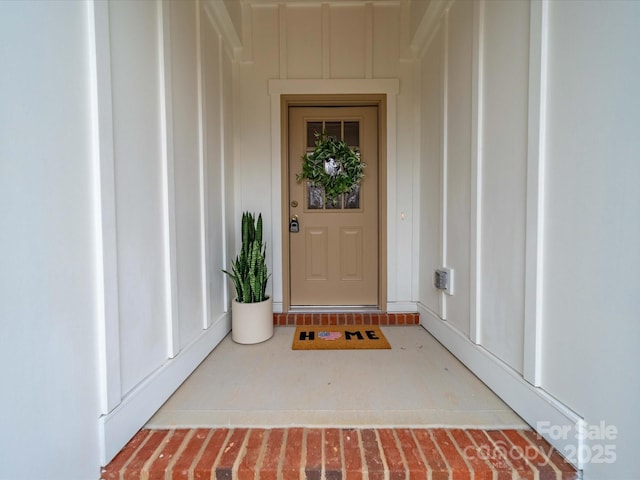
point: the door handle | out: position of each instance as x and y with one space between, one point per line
294 225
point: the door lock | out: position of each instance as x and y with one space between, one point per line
294 225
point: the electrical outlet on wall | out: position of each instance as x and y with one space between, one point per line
443 280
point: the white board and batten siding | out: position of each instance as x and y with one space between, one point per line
135 133
165 110
528 174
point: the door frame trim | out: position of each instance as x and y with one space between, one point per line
381 86
335 100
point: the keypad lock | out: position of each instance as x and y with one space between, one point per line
294 225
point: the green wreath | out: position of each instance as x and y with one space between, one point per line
332 165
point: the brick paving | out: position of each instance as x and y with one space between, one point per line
354 318
337 454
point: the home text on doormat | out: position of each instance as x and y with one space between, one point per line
334 337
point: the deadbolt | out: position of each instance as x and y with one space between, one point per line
294 204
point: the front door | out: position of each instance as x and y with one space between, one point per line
334 255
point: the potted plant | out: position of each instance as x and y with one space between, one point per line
252 310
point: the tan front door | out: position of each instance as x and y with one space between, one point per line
334 256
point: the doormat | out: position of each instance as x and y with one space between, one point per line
319 337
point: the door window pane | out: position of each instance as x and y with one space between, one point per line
334 129
352 198
314 197
334 204
352 133
312 129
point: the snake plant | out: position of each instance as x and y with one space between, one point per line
249 269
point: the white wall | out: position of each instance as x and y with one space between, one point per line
591 334
48 321
137 153
527 119
171 73
457 192
503 123
117 176
187 159
218 118
325 42
432 169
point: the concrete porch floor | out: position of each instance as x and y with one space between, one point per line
417 383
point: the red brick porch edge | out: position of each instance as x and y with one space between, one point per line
336 454
354 318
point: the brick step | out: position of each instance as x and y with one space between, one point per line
351 318
335 454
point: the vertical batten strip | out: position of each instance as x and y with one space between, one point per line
168 182
279 208
107 299
326 41
391 181
222 204
282 31
475 263
246 47
535 191
416 186
444 153
202 172
223 172
368 40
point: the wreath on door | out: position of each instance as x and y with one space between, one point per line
333 166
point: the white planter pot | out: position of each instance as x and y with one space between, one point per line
252 322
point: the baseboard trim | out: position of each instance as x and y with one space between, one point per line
139 405
534 405
402 307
